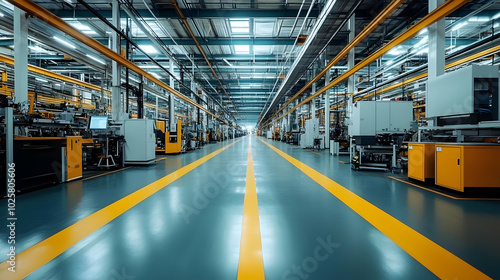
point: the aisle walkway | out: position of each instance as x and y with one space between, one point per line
246 209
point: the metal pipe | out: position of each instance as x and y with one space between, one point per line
43 14
297 17
439 13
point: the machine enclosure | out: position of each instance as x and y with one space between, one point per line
421 161
460 166
139 141
369 118
456 90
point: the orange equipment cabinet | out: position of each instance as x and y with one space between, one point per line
460 166
173 144
74 157
421 161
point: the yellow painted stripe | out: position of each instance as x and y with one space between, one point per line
38 255
251 265
443 194
438 260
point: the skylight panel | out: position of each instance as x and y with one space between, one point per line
242 49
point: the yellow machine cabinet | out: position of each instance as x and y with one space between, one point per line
74 157
421 161
460 166
160 124
173 145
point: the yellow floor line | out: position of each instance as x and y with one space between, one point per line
41 253
443 194
313 152
251 264
435 258
106 173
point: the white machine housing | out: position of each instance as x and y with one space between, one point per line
140 144
269 134
311 132
456 90
369 118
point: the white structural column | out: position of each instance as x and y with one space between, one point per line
313 101
156 108
327 109
296 121
436 44
351 25
20 55
171 105
116 68
289 122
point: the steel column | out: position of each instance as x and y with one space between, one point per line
436 53
350 57
156 108
9 145
20 55
327 111
171 102
116 103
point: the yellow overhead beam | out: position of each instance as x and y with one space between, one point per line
464 60
42 14
362 35
45 72
442 11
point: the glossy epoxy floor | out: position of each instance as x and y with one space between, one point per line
191 226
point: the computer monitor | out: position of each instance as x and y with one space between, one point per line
98 122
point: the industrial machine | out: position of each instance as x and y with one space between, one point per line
377 130
312 135
173 139
269 134
139 141
471 95
459 146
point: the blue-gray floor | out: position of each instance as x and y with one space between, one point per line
192 228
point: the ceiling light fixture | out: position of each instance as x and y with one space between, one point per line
242 49
64 42
148 49
96 59
458 26
225 60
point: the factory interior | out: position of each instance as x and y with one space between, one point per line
249 139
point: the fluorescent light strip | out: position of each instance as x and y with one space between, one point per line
96 59
227 62
64 42
458 26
